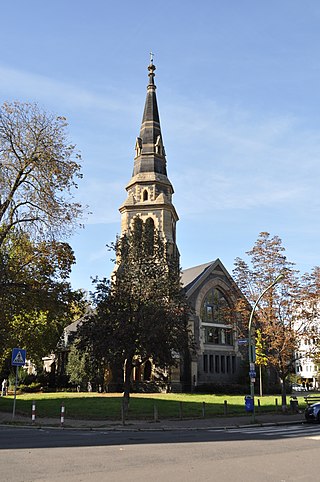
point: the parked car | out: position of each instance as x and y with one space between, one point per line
312 413
297 388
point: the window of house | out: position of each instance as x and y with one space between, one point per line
205 363
228 364
217 364
145 195
218 336
215 307
223 364
210 363
233 364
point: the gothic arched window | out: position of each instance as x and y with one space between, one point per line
215 307
145 196
149 234
215 311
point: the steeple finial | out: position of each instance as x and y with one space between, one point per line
151 68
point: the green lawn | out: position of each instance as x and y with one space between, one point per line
94 406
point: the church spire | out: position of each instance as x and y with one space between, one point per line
150 153
149 190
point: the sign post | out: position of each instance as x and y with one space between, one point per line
18 359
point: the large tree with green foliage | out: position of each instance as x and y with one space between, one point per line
280 314
36 298
142 313
38 173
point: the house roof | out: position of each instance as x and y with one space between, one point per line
190 275
191 278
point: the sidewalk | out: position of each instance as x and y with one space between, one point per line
165 425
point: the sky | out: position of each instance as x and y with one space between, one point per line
238 94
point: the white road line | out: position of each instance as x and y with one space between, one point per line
284 431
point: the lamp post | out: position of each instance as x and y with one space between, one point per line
250 344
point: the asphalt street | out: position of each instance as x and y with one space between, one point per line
244 454
24 438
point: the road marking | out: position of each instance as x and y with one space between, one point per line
287 431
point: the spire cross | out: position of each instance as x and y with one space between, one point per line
151 57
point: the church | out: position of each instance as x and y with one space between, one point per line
210 289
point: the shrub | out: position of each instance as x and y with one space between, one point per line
32 388
222 388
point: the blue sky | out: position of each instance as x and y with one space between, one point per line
238 94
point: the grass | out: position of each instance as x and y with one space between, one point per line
96 406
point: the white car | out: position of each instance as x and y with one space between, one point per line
297 388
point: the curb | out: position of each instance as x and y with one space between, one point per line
152 429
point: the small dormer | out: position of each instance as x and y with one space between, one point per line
159 149
138 146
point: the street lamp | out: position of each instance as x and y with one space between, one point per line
252 372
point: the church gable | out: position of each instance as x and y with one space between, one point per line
212 295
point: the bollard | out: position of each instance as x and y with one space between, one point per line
33 412
204 409
258 403
225 407
276 401
62 415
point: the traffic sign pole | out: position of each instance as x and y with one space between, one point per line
15 394
18 359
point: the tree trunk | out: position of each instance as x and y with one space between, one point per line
283 394
126 385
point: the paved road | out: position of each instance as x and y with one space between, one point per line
252 454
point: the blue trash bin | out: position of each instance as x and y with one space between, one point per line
248 403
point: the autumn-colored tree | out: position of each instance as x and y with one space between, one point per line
38 172
261 357
142 314
279 314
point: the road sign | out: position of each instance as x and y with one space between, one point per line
242 341
18 358
252 374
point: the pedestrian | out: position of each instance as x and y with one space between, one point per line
4 388
89 387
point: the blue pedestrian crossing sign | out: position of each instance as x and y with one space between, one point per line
18 358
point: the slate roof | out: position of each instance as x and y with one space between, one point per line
191 275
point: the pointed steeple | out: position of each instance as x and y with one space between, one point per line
150 153
149 190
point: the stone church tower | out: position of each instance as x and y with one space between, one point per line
149 190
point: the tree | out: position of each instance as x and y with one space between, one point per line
142 313
261 358
36 299
38 172
78 367
280 314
